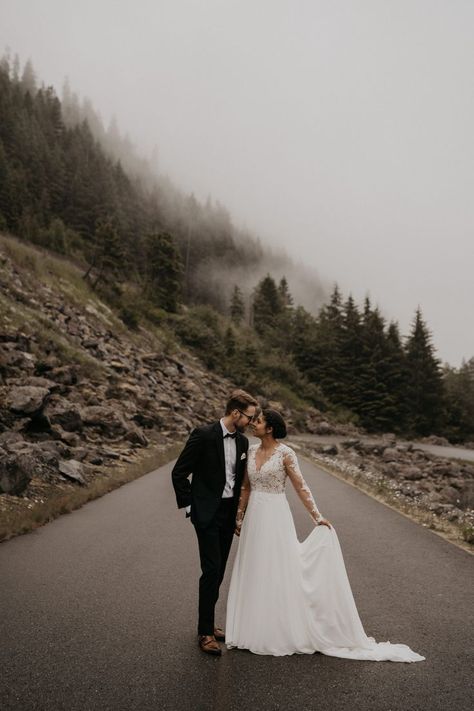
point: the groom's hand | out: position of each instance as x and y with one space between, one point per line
237 531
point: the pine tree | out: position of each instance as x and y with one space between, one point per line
376 408
230 342
352 355
28 78
425 396
328 356
164 270
396 378
267 305
237 306
107 258
284 292
459 387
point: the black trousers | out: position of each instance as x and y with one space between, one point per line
214 541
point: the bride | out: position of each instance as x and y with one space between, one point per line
288 597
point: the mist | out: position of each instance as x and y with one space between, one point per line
338 131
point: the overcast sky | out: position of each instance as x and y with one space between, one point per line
341 129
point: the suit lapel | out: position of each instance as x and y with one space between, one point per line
220 445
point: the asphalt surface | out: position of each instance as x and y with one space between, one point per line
98 611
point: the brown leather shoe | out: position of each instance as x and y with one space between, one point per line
208 643
219 634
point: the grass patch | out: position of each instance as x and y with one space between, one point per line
24 519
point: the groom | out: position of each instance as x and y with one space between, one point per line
215 455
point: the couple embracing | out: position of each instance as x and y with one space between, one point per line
285 597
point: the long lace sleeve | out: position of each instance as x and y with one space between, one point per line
293 471
243 500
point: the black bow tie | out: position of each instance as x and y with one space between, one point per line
231 434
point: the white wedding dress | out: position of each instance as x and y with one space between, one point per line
288 597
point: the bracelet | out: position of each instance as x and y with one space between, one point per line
319 518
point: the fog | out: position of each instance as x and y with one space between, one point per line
338 129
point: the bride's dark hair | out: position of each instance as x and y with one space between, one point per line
274 420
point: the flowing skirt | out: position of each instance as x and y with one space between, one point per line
288 597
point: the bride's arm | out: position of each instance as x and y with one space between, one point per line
293 471
243 501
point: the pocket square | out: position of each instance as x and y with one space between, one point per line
243 456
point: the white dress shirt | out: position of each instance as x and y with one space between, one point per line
230 453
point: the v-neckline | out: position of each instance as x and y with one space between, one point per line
259 469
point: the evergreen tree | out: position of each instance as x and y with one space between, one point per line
267 305
107 257
28 78
328 372
425 402
237 306
283 290
352 356
164 270
376 406
459 388
230 342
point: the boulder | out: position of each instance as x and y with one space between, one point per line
107 419
16 471
8 438
330 449
27 399
72 469
391 454
450 495
136 436
412 473
65 413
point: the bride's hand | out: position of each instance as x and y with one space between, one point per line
324 522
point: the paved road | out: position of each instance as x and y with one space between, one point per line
98 612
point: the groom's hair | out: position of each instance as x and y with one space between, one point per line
239 400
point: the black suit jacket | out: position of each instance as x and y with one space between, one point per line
203 457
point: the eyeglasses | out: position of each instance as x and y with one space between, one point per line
249 417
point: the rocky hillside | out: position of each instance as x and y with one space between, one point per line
82 396
433 490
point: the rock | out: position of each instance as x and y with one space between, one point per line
412 473
69 438
330 449
323 428
9 438
136 436
108 420
65 374
16 471
434 439
40 382
62 412
27 399
391 454
350 443
72 469
450 495
440 508
455 514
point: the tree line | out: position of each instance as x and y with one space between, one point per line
150 250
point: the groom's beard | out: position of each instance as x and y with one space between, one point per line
240 428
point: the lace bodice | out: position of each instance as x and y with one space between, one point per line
271 477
